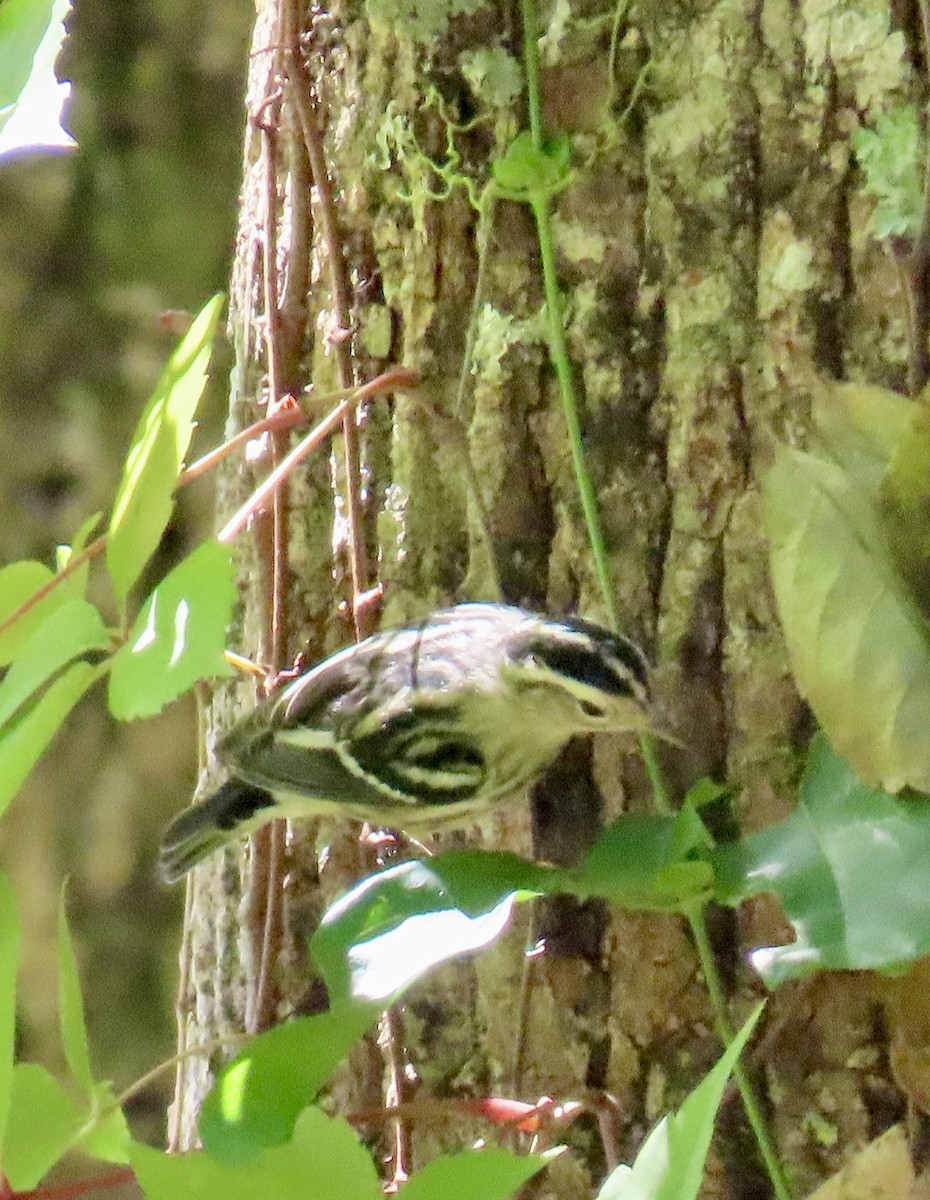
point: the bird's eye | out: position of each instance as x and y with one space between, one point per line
591 710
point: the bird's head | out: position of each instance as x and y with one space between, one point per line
592 679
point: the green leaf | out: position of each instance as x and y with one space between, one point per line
395 926
702 792
31 98
488 1174
850 868
644 862
323 1160
71 1005
10 936
859 647
76 584
109 1139
42 1124
527 172
477 880
861 427
73 629
144 502
23 740
670 1164
18 582
256 1098
179 636
891 157
904 506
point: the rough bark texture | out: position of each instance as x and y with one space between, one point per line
712 252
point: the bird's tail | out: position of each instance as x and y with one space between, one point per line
203 828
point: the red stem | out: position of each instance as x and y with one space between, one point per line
79 1187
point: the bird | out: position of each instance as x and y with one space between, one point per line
420 728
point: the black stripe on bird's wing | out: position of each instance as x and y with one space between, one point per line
288 764
425 762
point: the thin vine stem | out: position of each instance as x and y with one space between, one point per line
531 70
539 203
725 1032
558 352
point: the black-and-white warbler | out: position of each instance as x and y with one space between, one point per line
418 728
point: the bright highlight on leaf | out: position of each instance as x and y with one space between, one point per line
144 502
31 98
394 927
179 636
257 1098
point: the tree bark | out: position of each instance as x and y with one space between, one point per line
712 253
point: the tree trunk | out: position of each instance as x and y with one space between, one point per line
711 253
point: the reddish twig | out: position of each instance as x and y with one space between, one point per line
79 1187
308 115
262 915
95 549
397 379
285 417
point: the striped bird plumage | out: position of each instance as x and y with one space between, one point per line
420 727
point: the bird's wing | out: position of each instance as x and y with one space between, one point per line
405 762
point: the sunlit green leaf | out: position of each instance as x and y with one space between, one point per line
477 880
31 98
861 427
850 868
256 1098
395 926
670 1164
76 583
23 740
179 636
10 935
643 862
323 1160
488 1174
144 502
109 1139
71 1005
18 582
859 647
43 1122
73 629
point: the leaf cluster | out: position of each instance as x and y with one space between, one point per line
57 644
